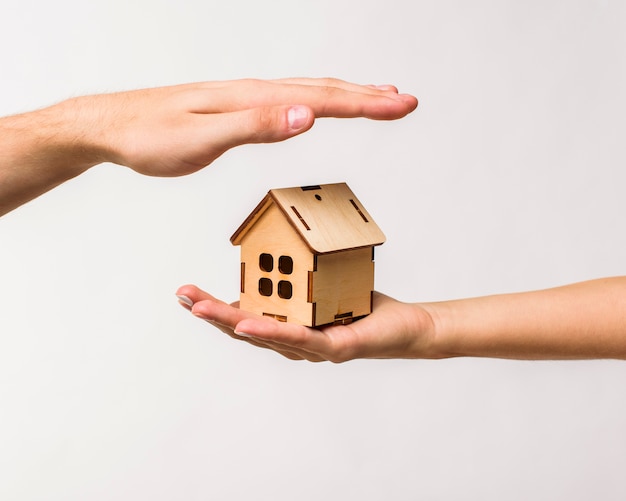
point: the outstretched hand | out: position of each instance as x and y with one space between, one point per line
172 131
177 130
393 330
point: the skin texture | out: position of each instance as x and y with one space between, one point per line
579 321
172 131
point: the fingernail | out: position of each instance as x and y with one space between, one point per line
185 299
243 334
408 98
386 87
297 116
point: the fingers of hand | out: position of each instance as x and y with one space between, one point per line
286 351
335 98
248 83
295 342
335 83
327 98
195 294
311 344
220 313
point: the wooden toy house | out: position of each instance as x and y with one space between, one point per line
307 256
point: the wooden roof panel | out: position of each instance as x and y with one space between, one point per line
329 217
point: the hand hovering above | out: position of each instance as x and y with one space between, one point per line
172 131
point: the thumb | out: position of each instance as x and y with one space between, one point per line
268 124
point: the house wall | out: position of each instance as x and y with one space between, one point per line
273 235
343 283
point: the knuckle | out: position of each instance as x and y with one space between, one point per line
328 91
264 119
251 82
330 82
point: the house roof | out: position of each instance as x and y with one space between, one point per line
328 217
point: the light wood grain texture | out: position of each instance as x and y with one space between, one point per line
274 235
335 218
343 284
329 237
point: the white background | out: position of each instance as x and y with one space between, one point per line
508 177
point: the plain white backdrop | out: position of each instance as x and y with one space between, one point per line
508 177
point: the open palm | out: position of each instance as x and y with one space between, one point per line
393 330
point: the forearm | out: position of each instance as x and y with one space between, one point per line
579 321
40 150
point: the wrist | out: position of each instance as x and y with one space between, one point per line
72 133
52 141
41 150
422 326
436 343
